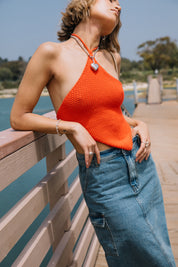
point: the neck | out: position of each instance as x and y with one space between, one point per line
90 34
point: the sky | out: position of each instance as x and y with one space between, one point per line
24 25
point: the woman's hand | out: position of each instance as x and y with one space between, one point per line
145 148
87 144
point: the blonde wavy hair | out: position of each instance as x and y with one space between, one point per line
78 10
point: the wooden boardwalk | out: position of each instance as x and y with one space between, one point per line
163 124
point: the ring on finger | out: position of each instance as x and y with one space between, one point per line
91 153
147 143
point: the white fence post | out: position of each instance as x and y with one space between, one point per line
135 93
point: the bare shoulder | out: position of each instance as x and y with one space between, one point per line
45 57
48 50
117 57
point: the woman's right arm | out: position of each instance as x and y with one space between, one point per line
37 75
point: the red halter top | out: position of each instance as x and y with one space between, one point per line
95 102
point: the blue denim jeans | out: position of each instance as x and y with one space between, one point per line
126 208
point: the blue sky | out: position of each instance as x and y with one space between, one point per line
24 25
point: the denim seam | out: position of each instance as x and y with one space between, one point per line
115 247
135 187
151 228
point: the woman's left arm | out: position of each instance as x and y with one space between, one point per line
141 128
138 127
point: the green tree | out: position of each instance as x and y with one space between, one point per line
2 61
5 74
129 65
159 53
17 68
125 65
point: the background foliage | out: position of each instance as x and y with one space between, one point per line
160 54
11 72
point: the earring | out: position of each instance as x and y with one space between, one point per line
103 38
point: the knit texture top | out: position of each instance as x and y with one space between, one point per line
95 102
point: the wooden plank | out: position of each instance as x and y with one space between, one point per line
73 196
101 260
34 254
92 253
55 156
79 219
65 247
60 174
83 244
51 160
22 160
168 172
11 140
63 253
51 229
166 111
20 217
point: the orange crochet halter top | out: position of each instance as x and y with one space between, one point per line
95 102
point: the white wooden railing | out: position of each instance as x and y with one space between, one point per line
73 241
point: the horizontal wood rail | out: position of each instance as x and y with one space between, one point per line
73 242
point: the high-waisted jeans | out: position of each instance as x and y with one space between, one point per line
126 208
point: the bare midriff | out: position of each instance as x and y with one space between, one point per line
100 146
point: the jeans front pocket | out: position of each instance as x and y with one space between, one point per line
104 233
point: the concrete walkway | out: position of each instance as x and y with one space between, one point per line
162 120
154 92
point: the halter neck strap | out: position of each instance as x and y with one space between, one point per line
89 51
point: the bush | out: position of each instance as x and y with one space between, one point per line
1 87
169 74
142 76
5 74
10 84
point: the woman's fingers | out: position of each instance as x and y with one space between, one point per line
142 157
89 154
87 144
148 153
88 158
143 152
97 152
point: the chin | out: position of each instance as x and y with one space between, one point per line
109 23
108 29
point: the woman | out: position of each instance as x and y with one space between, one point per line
117 174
